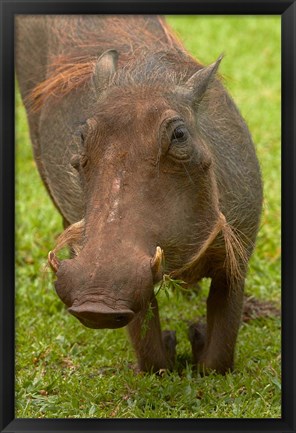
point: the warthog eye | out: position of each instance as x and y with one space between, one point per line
176 139
83 160
180 135
81 135
79 160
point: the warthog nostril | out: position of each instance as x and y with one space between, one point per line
96 315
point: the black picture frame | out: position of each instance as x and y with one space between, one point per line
287 11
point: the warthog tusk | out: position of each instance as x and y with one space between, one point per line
156 264
53 261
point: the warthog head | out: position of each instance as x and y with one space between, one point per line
147 177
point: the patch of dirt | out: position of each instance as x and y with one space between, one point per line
255 308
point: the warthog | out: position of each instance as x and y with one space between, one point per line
146 157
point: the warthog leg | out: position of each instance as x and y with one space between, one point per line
155 350
197 337
213 349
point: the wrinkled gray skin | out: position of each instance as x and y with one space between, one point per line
107 153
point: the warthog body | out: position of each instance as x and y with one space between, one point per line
146 157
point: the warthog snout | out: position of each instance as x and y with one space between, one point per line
99 316
101 296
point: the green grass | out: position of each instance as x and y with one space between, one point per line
65 370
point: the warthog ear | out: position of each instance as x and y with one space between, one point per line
104 68
199 82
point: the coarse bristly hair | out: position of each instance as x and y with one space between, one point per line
236 256
135 41
71 237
